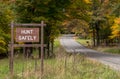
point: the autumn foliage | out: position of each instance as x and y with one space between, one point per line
116 28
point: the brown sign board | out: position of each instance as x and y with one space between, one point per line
27 35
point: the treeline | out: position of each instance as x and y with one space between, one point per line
103 23
98 20
95 19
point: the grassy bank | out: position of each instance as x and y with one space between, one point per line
84 42
114 50
63 66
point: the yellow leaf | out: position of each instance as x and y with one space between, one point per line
87 1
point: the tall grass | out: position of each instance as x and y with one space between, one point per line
76 66
63 66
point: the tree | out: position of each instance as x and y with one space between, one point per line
79 27
101 10
34 11
116 28
77 15
6 15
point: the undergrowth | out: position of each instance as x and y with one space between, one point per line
63 66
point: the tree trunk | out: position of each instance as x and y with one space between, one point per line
97 33
52 47
28 51
94 37
48 49
39 52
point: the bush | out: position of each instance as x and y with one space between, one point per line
2 46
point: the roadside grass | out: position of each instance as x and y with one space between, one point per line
84 42
114 50
56 43
63 66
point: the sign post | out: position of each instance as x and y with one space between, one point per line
12 49
27 35
42 47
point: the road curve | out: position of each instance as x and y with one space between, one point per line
72 46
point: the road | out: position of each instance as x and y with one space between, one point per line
71 46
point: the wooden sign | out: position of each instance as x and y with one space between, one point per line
27 35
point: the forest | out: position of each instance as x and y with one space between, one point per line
98 20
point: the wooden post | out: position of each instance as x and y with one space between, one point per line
12 49
42 48
12 45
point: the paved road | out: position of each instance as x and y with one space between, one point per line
72 46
